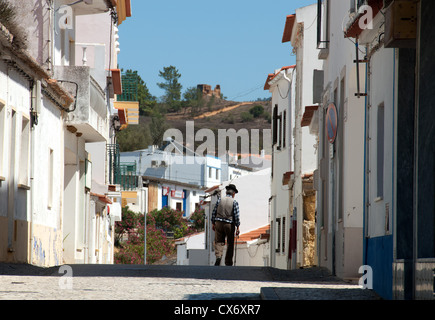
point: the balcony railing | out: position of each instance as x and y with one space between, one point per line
121 173
130 83
113 159
127 102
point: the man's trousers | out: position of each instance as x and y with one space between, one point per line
224 231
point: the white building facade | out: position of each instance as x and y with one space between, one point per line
49 109
340 178
294 142
282 85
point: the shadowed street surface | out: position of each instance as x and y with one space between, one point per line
156 282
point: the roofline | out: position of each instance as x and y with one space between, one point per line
181 184
288 28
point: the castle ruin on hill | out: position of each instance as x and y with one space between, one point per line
207 90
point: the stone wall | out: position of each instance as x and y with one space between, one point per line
309 233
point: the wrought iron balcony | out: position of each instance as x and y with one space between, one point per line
127 102
121 173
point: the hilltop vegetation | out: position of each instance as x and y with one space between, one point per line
172 111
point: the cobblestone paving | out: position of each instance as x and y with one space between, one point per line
96 282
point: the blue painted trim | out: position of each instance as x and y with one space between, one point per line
380 258
185 203
165 201
378 251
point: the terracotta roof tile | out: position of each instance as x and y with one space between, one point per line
260 233
288 29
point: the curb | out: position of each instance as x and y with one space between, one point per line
268 294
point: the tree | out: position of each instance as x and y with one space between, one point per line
191 94
157 129
134 138
246 116
172 87
257 110
198 219
127 225
192 98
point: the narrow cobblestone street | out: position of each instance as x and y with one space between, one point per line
136 282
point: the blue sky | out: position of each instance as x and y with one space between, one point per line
232 43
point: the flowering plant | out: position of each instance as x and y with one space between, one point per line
130 235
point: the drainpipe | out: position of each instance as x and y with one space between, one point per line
366 157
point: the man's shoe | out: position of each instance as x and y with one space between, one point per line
218 262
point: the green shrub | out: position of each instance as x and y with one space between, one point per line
246 117
198 220
257 111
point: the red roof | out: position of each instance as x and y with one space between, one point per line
308 115
288 29
260 233
272 76
102 198
354 30
269 77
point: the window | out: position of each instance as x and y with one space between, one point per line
23 175
179 206
279 123
284 129
217 174
380 152
210 172
283 234
278 235
277 128
275 125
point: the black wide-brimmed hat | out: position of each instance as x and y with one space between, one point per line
232 187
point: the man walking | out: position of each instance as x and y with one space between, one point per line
226 221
